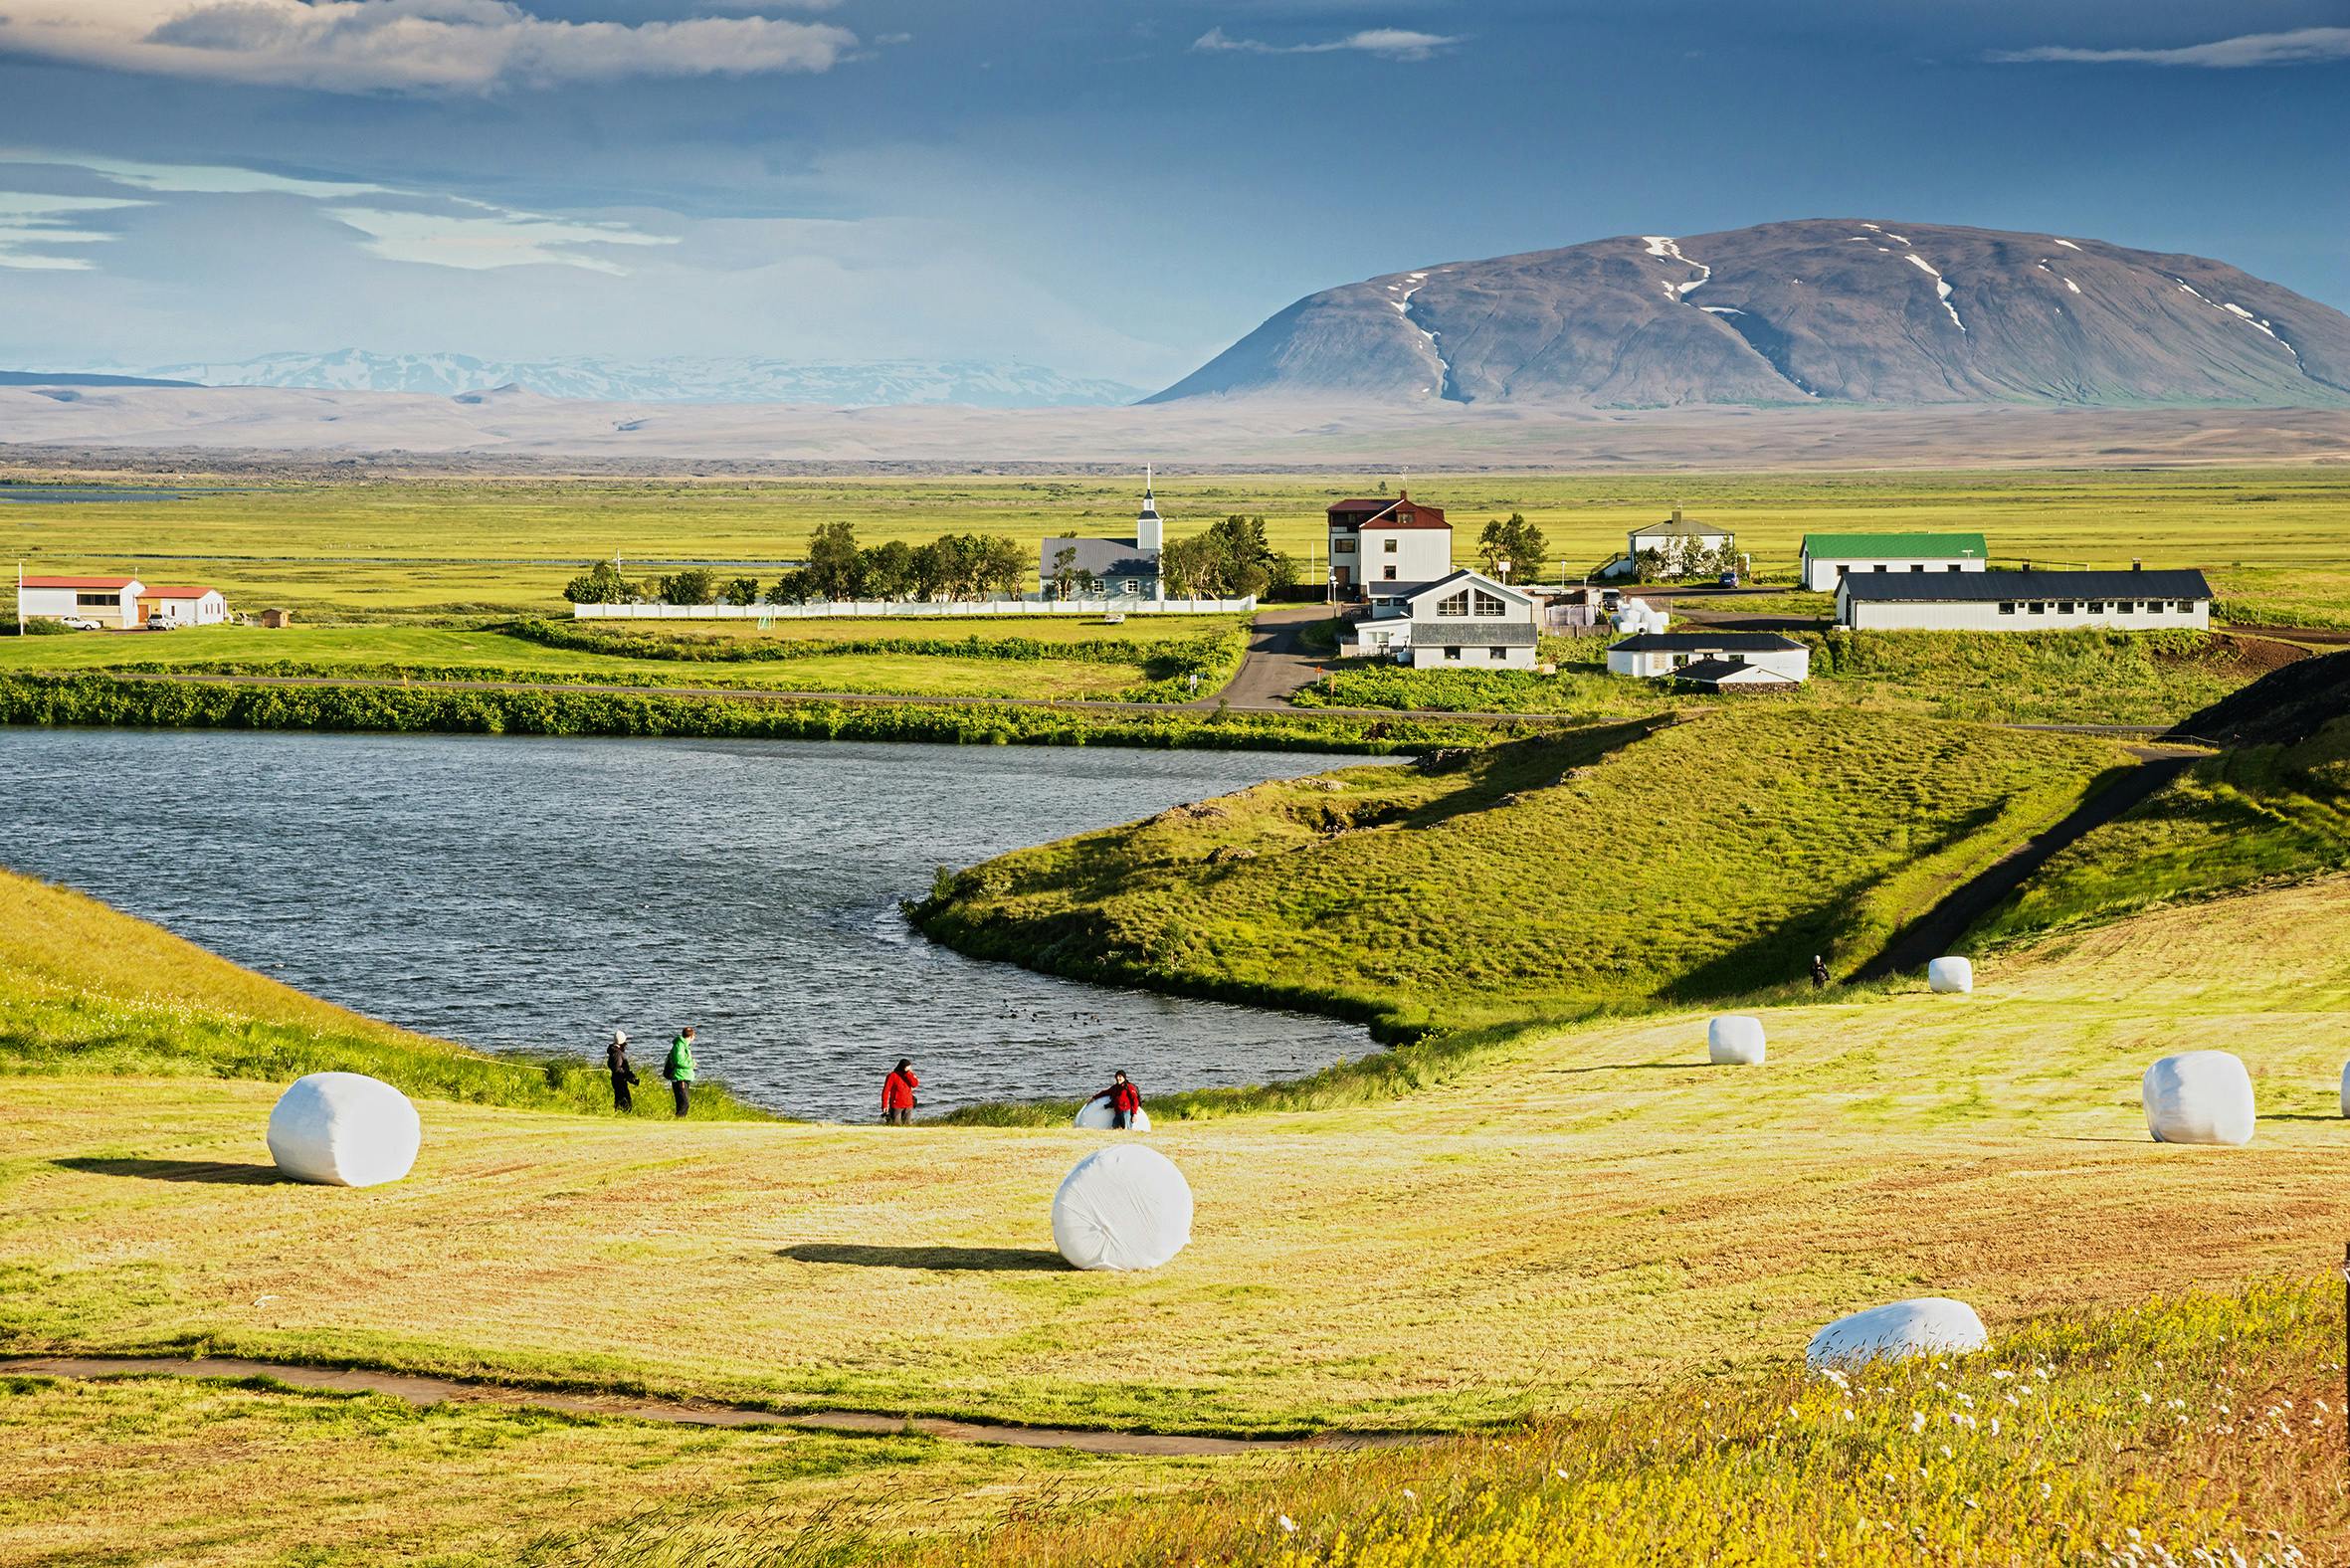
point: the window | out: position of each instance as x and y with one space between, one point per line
2068 607
1404 517
1457 604
1496 654
1953 567
2007 607
1486 604
1452 652
1130 585
2039 607
107 599
1680 660
1880 568
1342 547
2181 607
1387 574
1844 571
1917 568
1387 545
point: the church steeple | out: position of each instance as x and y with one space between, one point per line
1150 530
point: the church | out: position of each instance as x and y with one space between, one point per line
1108 568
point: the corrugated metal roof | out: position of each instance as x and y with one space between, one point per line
1102 557
1472 634
79 582
1705 643
1897 546
1983 587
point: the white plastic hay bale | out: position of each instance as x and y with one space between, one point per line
1094 1116
1734 1040
1924 1325
1951 976
344 1130
2199 1097
1123 1207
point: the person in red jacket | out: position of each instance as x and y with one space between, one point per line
897 1093
1124 1100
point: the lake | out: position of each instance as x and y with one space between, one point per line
531 895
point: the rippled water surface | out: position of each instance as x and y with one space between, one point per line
530 894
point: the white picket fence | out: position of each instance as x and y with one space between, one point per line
828 610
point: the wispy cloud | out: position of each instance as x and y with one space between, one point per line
30 221
429 228
1392 43
403 46
2300 47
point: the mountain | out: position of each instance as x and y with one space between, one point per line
43 378
873 384
1823 311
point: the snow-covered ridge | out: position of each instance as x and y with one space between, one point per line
1666 247
1941 287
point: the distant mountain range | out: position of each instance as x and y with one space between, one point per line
1823 311
879 383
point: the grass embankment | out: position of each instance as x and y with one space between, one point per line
90 991
1621 865
424 547
1021 658
1565 1221
2035 678
230 703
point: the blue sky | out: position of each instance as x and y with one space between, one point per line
1106 188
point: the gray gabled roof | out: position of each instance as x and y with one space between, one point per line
1450 633
1706 642
1983 587
1102 557
1464 575
1711 671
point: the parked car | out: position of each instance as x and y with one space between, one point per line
77 623
1728 579
161 623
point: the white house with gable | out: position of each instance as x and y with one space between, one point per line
110 601
1465 619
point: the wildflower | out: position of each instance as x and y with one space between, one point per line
1946 1453
2145 1397
1562 1475
1415 1496
1994 1426
1288 1525
1917 1421
1848 1416
2045 1490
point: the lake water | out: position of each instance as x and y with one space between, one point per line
531 893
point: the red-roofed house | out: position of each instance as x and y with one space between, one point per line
1386 550
184 606
110 601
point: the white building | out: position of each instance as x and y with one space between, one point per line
1382 550
2131 601
110 601
1654 654
1674 543
184 606
1829 558
1465 619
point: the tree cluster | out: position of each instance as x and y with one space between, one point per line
954 566
1684 558
1515 540
1231 560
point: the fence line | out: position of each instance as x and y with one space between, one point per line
880 609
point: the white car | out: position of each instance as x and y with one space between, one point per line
78 623
161 623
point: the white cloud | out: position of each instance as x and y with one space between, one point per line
30 221
493 238
2301 47
1393 42
403 46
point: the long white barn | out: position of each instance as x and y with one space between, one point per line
2131 601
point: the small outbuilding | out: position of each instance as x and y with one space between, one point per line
1652 654
1829 558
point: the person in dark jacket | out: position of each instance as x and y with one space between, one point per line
897 1093
679 1069
1818 973
623 1077
1124 1100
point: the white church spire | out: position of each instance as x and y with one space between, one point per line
1150 530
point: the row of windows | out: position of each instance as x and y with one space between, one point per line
1346 546
1459 604
2100 606
110 599
1495 654
1847 571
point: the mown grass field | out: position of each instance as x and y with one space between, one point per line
2269 537
1621 865
922 668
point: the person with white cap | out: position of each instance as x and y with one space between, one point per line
616 1059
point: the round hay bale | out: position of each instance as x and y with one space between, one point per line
1924 1325
1094 1116
2199 1097
1123 1207
343 1130
1951 976
1734 1040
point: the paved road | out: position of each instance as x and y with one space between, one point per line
1277 664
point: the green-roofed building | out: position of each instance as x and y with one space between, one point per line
1831 557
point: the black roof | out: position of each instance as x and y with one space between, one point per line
1980 587
1473 634
1707 672
1706 642
1102 557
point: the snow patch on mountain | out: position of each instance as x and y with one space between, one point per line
1941 287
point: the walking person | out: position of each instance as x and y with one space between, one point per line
679 1069
897 1093
1818 973
623 1077
1124 1100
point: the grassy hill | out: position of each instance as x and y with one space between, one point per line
87 990
1635 864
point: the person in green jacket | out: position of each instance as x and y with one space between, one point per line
679 1069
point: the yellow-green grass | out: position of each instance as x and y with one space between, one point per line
487 653
2205 1430
2269 536
156 1471
1567 1217
2039 677
1618 865
87 990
